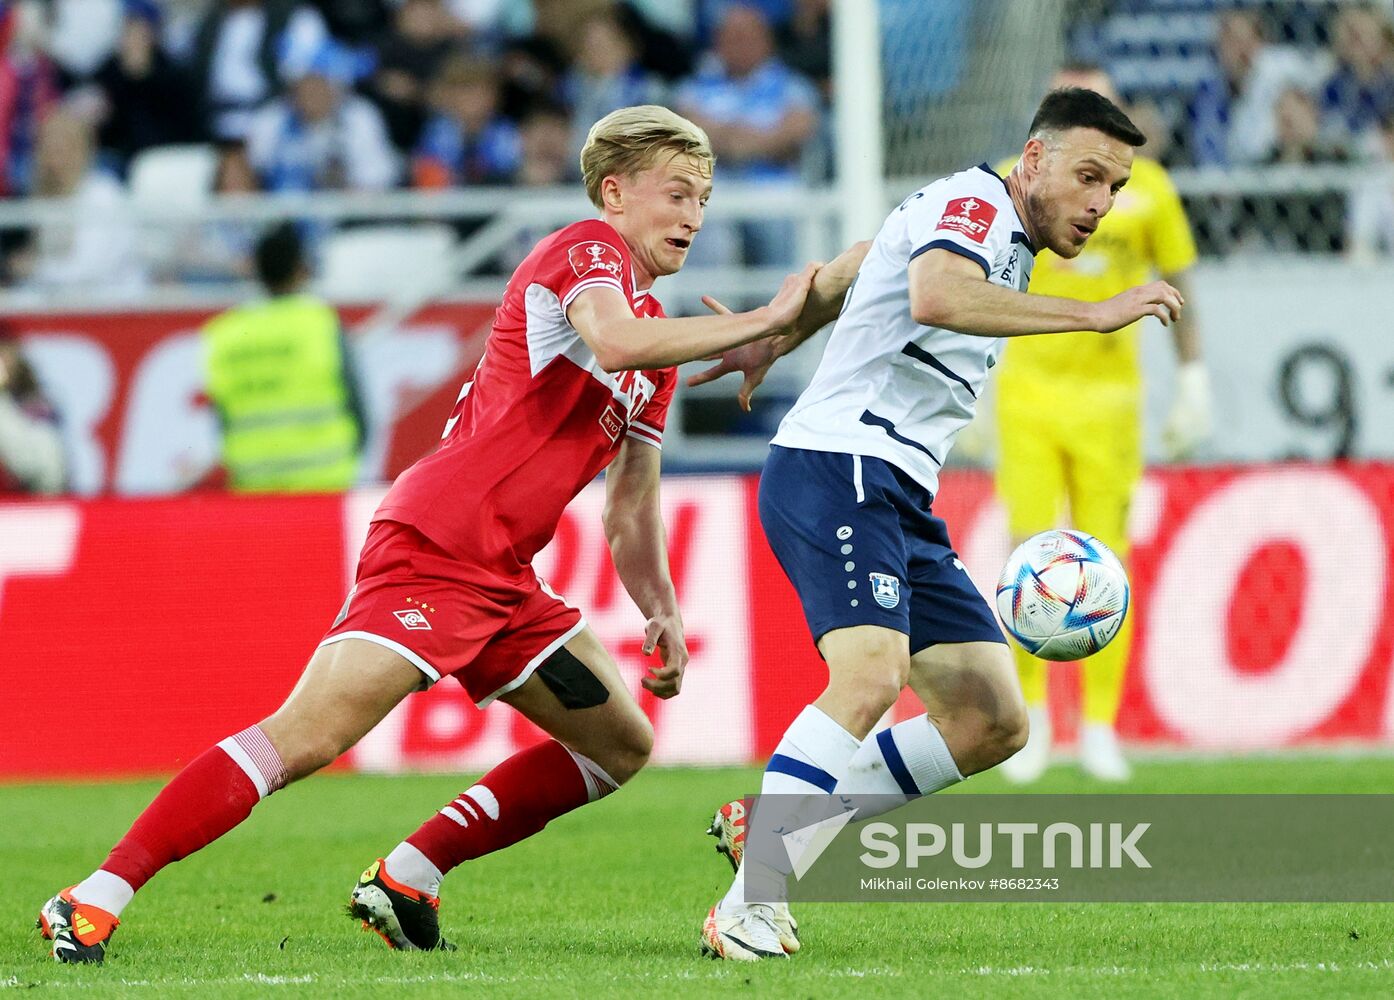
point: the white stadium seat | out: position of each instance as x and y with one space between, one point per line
173 178
374 262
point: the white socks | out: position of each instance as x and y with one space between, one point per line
105 891
410 867
899 764
810 760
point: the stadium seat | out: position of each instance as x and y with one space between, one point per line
370 262
173 178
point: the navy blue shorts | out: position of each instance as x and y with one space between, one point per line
857 540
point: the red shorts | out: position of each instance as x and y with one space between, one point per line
489 631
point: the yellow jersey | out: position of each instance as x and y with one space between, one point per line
1144 235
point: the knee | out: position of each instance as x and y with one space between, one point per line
303 753
627 750
1008 732
1003 733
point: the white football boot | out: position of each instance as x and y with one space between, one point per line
743 932
728 827
1100 755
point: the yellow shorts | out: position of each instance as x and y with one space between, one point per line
1069 457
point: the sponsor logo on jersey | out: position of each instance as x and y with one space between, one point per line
885 589
611 422
969 216
413 619
588 258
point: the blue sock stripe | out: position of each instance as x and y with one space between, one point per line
796 768
898 770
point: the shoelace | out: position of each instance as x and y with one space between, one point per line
762 915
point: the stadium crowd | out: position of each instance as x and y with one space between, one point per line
367 95
373 95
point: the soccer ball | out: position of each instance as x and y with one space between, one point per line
1063 595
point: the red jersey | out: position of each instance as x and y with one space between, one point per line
540 418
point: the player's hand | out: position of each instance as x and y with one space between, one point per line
1189 423
783 311
753 360
664 633
1156 299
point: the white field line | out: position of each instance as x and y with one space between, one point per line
986 971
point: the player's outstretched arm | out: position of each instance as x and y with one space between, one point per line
639 549
824 302
623 342
950 291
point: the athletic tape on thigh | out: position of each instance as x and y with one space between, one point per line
572 681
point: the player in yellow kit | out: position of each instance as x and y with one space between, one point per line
1069 418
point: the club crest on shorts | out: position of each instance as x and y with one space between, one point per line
413 619
885 589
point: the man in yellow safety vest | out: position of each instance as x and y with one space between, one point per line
281 381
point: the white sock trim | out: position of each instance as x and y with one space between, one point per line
410 867
819 738
251 751
925 754
598 783
104 890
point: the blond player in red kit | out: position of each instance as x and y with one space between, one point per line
576 378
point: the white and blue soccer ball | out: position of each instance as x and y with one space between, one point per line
1063 595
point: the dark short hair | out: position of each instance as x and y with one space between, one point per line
1075 107
280 254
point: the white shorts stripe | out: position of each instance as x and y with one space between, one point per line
432 674
536 661
857 478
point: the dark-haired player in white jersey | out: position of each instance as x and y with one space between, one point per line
846 494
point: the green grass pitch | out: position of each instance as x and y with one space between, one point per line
608 901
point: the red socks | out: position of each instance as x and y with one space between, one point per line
510 803
213 794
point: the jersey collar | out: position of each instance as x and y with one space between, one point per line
1019 236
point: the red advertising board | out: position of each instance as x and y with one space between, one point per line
129 386
155 627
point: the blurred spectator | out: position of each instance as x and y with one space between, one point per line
606 76
1299 138
422 36
99 250
1372 203
548 158
221 250
145 99
28 89
467 141
759 115
321 136
82 34
1232 113
1294 221
806 43
480 16
1363 82
31 445
282 384
240 52
358 23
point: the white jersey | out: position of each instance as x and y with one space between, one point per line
888 387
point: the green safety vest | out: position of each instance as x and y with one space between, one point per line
276 375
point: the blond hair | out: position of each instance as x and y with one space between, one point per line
629 140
